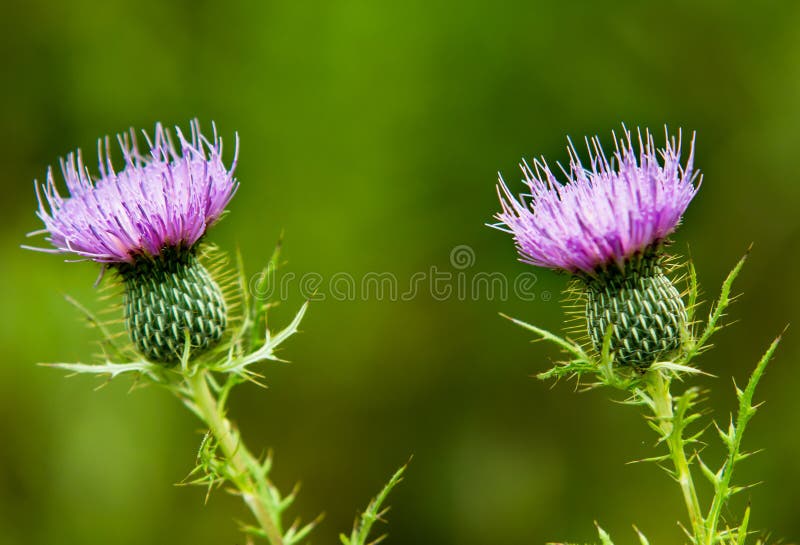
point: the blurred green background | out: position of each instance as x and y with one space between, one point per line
371 132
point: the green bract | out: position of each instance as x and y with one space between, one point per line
169 298
645 312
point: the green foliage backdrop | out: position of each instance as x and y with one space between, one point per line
371 132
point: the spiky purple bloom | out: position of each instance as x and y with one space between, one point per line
607 225
144 222
166 199
603 215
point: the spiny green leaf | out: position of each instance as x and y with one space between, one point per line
678 368
373 512
296 533
642 539
265 352
567 345
712 477
287 501
605 539
717 311
656 459
733 439
742 530
156 372
258 309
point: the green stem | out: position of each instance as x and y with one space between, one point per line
658 388
245 472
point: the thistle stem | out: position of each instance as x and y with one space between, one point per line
244 470
658 388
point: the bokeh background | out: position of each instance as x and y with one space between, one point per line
371 133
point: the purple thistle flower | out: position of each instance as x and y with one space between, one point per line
603 215
165 200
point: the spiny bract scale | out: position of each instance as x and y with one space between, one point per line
645 311
167 297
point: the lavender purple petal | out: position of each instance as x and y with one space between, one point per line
167 198
603 214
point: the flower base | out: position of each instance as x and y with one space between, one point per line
167 298
645 311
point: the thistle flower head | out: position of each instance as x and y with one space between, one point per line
163 200
145 222
605 214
